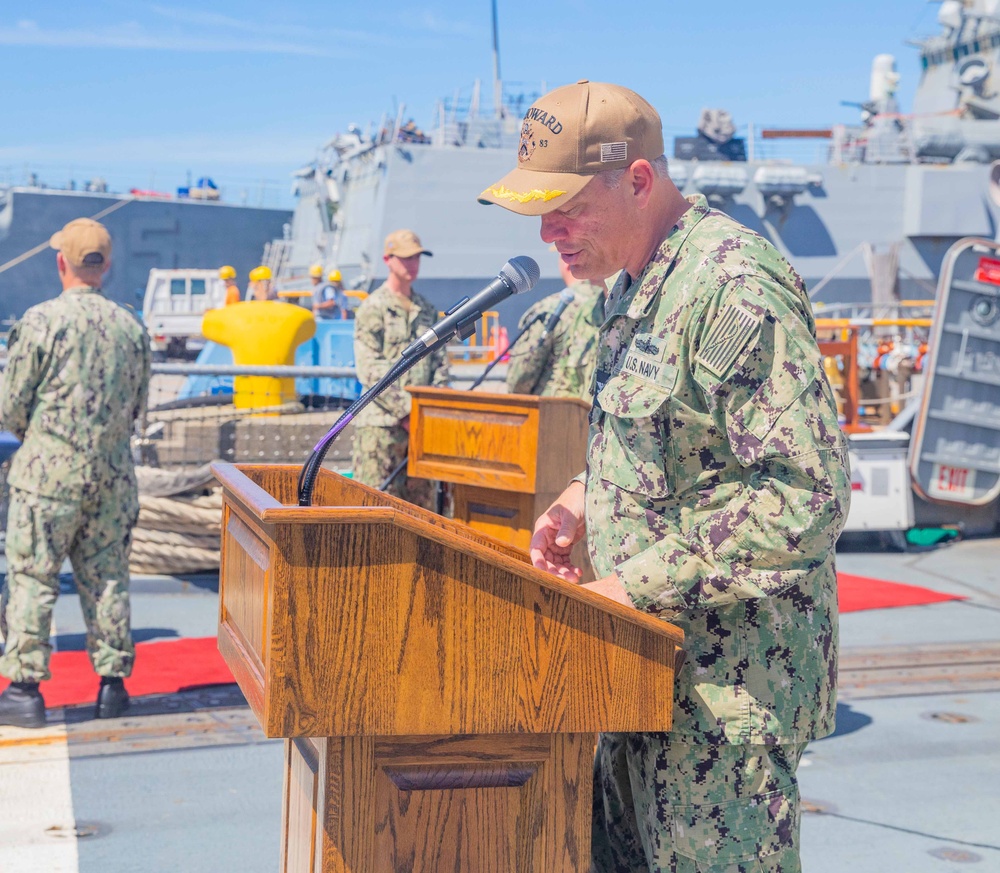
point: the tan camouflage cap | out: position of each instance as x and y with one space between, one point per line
84 243
404 244
568 136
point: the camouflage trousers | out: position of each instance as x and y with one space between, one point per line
377 452
95 534
663 805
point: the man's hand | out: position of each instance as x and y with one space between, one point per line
557 530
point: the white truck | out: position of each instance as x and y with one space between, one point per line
173 305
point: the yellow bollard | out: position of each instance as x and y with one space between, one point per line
260 332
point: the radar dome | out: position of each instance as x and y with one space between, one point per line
884 80
950 14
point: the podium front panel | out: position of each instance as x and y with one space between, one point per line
490 444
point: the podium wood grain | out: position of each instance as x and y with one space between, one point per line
440 696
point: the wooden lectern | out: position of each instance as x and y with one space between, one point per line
440 696
509 455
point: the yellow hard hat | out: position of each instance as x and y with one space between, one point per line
227 272
316 271
259 273
334 276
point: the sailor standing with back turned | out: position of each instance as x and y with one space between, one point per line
77 380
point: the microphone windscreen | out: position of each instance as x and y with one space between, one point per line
521 273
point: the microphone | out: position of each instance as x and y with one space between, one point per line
517 275
565 298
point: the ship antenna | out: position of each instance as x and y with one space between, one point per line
497 82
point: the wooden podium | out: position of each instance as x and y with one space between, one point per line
509 455
440 696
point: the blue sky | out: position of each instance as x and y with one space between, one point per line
143 93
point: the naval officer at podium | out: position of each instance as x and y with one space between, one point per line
716 486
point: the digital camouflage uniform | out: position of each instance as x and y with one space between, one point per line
77 378
561 365
716 488
385 324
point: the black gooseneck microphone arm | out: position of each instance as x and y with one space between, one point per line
310 469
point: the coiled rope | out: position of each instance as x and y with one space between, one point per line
178 533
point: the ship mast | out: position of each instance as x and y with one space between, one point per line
497 83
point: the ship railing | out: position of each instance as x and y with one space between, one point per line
489 341
859 310
874 365
199 413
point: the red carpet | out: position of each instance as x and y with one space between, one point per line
171 665
855 593
160 668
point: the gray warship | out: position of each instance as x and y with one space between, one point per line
870 219
149 230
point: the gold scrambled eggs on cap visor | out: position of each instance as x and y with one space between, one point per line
531 192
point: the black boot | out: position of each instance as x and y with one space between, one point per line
22 705
112 699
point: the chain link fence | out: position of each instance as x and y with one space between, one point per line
262 415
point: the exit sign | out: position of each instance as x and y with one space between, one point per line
952 483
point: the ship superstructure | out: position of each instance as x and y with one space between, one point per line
148 231
869 219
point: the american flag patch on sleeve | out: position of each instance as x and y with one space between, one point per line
728 337
613 151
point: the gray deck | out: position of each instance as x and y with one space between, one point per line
187 782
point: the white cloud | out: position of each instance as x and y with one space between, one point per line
181 29
133 35
281 150
312 33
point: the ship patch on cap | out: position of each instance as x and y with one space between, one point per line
527 146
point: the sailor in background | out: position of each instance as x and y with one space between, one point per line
386 322
716 486
329 300
557 355
77 380
228 275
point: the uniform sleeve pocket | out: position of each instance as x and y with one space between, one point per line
790 376
634 456
725 834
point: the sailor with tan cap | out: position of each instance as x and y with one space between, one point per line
716 487
386 322
76 382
